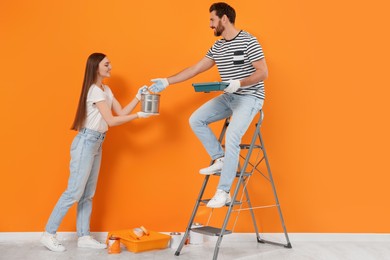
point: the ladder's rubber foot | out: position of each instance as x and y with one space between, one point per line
177 253
288 245
260 241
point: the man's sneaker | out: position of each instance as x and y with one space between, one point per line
220 199
50 241
89 242
214 168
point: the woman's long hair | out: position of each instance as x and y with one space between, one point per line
90 77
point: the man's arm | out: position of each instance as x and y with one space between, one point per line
161 83
190 72
260 74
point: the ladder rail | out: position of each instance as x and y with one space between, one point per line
239 182
252 214
274 192
200 196
194 211
242 182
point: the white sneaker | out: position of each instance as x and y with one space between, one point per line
214 168
89 242
50 241
220 199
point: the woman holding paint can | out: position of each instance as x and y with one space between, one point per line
93 117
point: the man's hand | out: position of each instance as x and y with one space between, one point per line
159 85
234 84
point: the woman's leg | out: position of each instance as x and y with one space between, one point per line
82 157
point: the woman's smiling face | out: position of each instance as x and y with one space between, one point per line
105 68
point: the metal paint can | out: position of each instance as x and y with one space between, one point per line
150 103
196 238
175 240
114 246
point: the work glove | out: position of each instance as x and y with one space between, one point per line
159 85
142 90
234 84
145 115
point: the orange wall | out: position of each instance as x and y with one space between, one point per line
326 126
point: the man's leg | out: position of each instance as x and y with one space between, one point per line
244 110
212 111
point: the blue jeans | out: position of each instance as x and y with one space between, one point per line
242 109
86 155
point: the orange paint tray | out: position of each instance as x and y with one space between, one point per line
152 241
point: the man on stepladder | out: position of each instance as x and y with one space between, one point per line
241 63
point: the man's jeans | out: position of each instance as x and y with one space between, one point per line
86 154
242 110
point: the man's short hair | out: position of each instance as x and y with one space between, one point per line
224 9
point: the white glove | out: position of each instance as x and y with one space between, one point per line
145 115
234 84
142 90
159 85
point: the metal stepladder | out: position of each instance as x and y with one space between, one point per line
245 170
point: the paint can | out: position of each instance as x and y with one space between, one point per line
195 237
150 103
175 240
114 246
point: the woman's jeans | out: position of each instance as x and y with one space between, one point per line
242 109
86 154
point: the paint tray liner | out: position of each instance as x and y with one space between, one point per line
210 86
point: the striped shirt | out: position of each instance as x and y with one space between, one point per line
234 61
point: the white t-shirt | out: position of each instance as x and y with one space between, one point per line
94 119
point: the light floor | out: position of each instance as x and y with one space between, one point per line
244 247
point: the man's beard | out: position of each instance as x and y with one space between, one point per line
219 29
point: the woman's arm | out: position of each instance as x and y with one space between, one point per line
112 120
116 106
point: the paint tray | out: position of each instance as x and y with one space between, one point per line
210 86
152 241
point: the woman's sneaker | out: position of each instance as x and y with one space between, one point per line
89 242
50 241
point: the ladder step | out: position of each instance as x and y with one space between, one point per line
246 146
205 201
210 231
246 174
